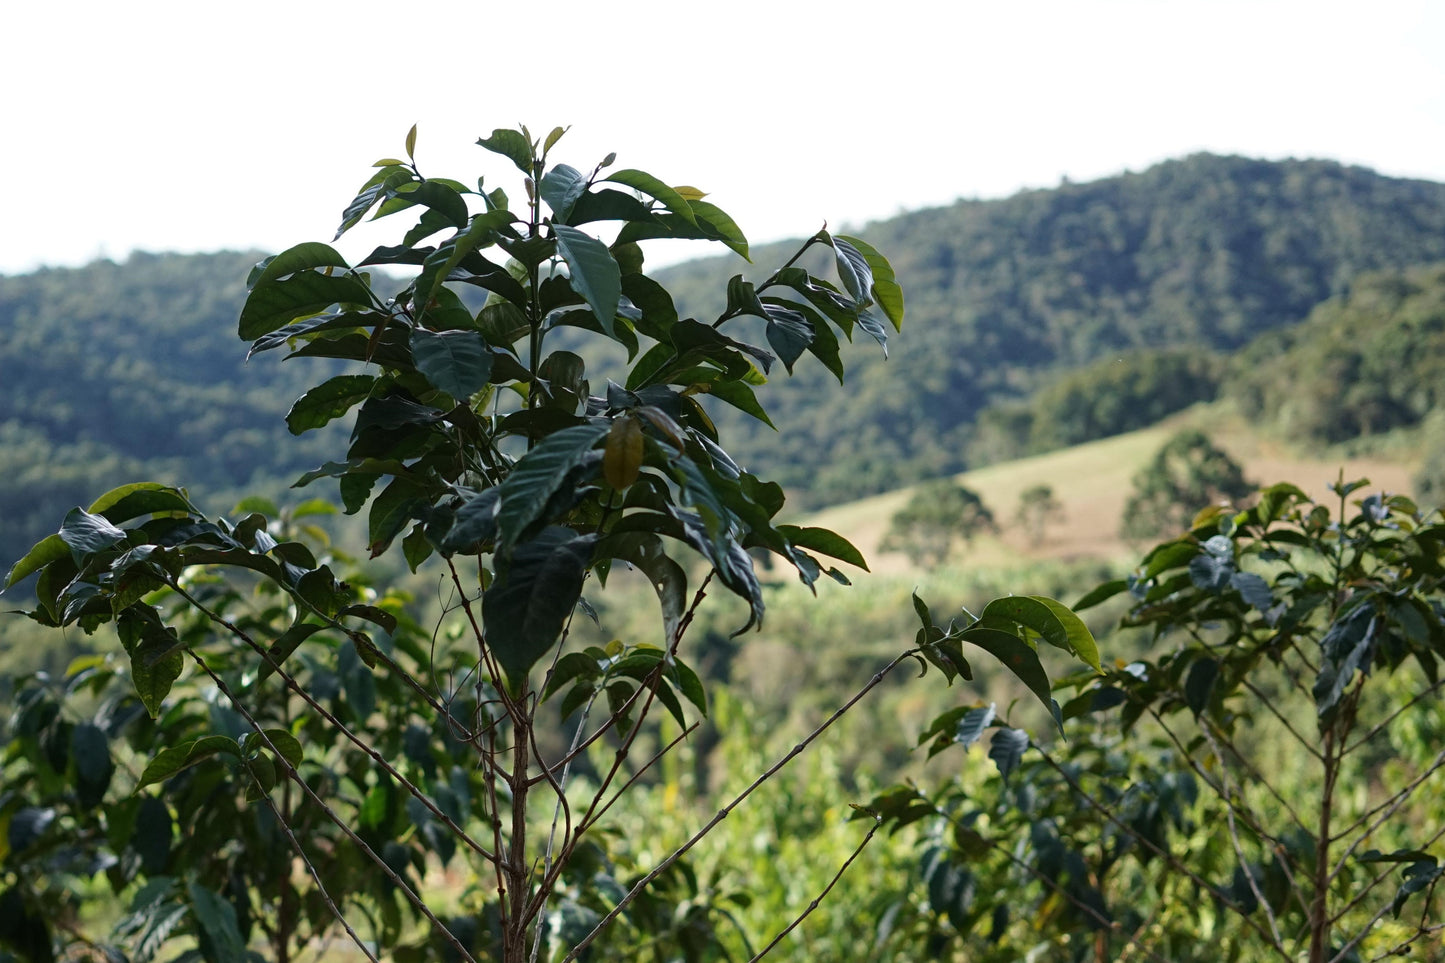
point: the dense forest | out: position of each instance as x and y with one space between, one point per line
1059 314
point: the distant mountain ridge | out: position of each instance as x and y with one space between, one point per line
1002 295
1207 251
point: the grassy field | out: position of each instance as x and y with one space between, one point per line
1093 481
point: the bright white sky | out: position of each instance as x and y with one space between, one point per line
211 124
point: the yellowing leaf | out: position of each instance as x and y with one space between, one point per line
622 456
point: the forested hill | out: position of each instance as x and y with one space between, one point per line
103 362
1206 251
108 361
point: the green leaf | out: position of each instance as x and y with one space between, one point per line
560 188
154 830
512 145
174 759
668 580
826 542
738 394
1007 749
281 741
854 271
457 362
302 257
1101 593
285 644
274 304
45 551
1199 684
155 659
1019 658
87 534
594 273
652 187
526 608
141 498
411 142
93 766
885 286
723 226
537 476
217 919
327 401
789 334
1052 620
971 727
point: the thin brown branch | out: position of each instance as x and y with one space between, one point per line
340 727
736 801
340 823
1174 862
818 900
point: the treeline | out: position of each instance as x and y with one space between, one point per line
1007 297
1036 321
97 363
1367 362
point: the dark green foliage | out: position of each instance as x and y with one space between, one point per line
937 515
1110 397
1266 777
1366 362
319 721
1185 476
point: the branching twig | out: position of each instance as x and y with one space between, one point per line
723 813
817 900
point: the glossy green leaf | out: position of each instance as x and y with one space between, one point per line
526 608
1007 750
886 289
47 550
1018 657
217 919
284 645
457 362
141 498
668 580
279 741
973 725
327 401
1052 620
274 304
560 189
593 272
536 477
854 271
512 145
302 257
174 759
86 533
654 188
825 542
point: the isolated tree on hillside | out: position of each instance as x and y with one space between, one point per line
1189 473
1037 507
937 515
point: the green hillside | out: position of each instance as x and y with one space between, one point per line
1004 297
110 360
